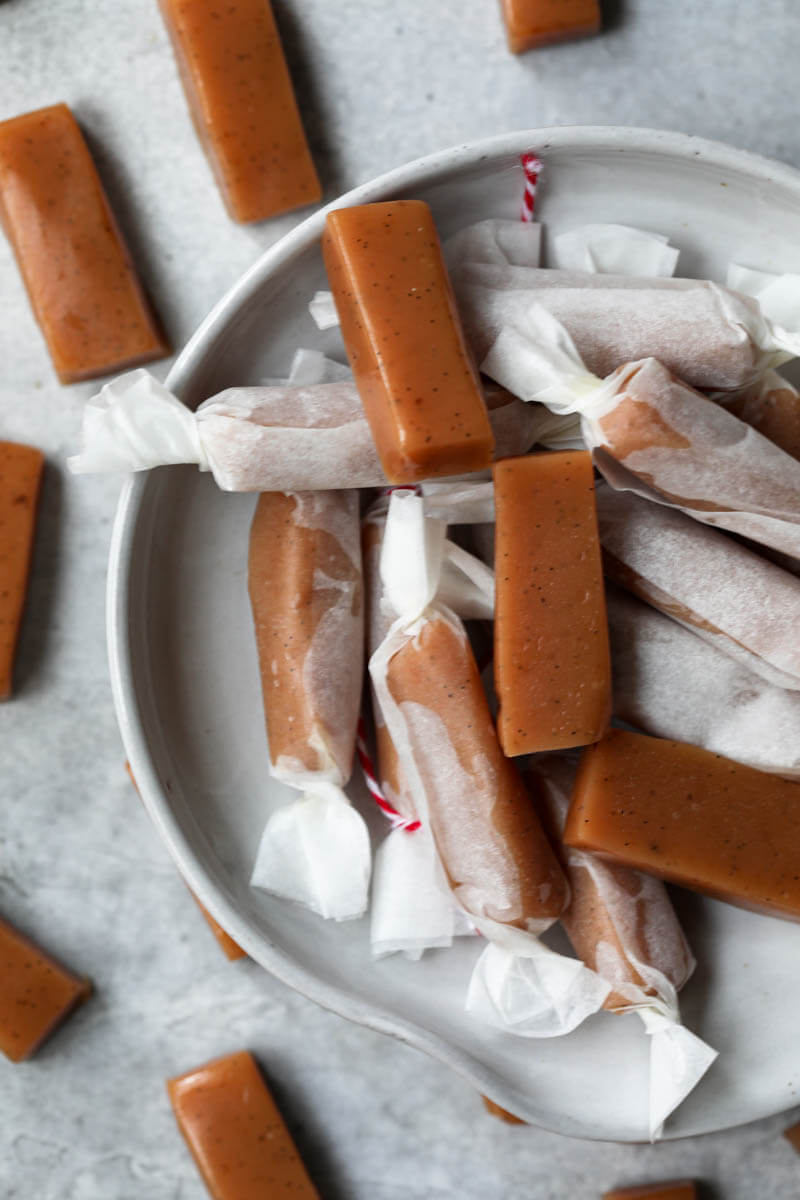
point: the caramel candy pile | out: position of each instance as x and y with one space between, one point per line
77 269
236 1134
531 23
552 660
20 479
683 1189
692 817
36 994
402 333
241 99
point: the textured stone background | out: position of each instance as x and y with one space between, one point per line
80 866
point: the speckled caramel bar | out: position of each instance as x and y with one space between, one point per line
691 817
552 658
36 994
241 99
531 23
80 278
418 384
236 1134
20 480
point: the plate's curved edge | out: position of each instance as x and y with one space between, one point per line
424 170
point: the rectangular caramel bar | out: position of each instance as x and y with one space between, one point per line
532 23
236 1134
20 479
682 1189
79 275
403 336
243 105
552 660
692 817
36 994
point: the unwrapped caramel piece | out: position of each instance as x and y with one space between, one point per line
501 1113
552 659
36 994
20 479
691 817
236 1134
77 269
532 23
680 1189
243 105
792 1134
401 329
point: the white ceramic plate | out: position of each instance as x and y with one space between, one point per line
187 690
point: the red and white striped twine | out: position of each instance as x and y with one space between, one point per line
397 820
532 166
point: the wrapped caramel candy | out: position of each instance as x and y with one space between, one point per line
652 434
669 682
622 924
738 601
494 853
307 597
308 433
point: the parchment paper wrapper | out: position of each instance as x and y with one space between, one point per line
772 407
611 250
706 334
739 602
306 591
778 295
622 924
652 434
473 806
297 436
670 683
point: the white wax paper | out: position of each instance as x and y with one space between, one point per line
733 598
670 683
778 296
611 250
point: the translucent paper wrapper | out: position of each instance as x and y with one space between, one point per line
308 433
611 250
624 923
738 601
518 984
772 406
412 908
707 335
652 434
309 626
670 683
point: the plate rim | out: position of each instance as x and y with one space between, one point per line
428 169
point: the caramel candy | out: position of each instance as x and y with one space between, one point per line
532 23
36 994
620 922
307 598
691 817
74 262
552 660
236 1134
682 1189
243 105
772 407
420 389
792 1134
502 1114
20 479
496 855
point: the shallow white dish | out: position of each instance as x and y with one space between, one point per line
187 691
